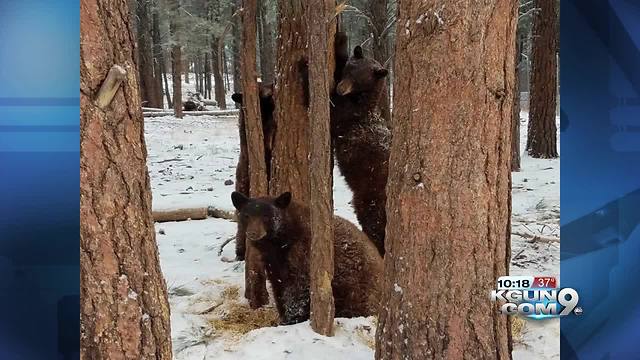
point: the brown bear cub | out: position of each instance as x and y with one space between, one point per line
242 170
279 229
361 141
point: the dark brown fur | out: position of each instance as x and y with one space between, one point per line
242 170
361 142
279 229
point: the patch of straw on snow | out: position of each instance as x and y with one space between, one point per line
517 325
239 319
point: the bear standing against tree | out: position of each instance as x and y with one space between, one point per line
361 141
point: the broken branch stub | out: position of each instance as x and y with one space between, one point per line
110 86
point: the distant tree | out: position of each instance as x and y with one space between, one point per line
448 208
542 134
124 310
381 23
176 56
158 58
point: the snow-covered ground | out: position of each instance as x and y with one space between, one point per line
189 161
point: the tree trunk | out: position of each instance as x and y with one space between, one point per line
515 118
176 58
226 72
290 162
236 47
255 279
321 184
448 194
124 310
542 132
186 66
267 53
157 57
166 83
145 56
207 76
380 49
218 86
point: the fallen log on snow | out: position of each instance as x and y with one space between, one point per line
192 113
210 102
536 238
150 109
192 214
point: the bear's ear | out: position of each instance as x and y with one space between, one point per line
357 52
237 97
239 200
382 72
283 200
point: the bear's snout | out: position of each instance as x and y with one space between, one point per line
256 230
344 87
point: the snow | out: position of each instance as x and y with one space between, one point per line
190 159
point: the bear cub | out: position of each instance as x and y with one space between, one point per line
361 141
279 229
242 169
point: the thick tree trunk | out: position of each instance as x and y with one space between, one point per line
124 311
267 53
448 194
290 162
542 133
380 48
145 55
255 279
157 57
321 185
515 118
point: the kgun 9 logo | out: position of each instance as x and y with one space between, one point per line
532 301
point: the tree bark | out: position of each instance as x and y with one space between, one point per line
448 194
542 132
167 93
176 58
207 76
267 53
124 310
145 56
218 84
321 185
255 279
290 162
378 9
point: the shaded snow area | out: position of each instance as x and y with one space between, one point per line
189 162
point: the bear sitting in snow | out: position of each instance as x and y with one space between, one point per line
361 141
278 229
242 170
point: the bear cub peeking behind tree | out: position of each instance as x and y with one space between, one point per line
361 141
278 229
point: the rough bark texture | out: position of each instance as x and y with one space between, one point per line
321 186
267 52
207 76
542 135
218 84
515 118
255 279
124 311
290 162
380 49
448 192
176 59
145 56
